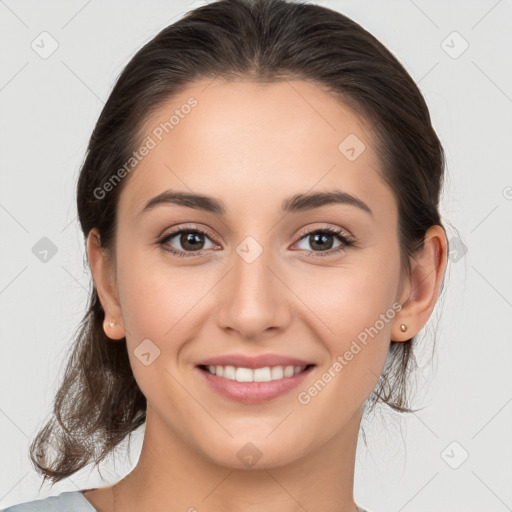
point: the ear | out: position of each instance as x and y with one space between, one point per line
421 289
103 273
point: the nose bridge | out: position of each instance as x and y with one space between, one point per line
251 268
251 301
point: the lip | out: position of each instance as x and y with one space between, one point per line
253 392
259 361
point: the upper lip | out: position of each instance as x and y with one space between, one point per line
260 361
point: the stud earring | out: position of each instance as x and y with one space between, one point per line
403 327
111 323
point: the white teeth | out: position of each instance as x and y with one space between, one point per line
244 375
276 372
265 374
229 372
288 371
262 374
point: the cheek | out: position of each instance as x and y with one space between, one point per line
349 298
354 303
162 302
153 292
156 301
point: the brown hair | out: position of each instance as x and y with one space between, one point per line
99 402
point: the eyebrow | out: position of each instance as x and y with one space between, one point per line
295 203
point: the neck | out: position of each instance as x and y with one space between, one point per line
171 475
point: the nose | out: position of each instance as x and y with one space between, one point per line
253 298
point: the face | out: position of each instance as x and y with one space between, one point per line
316 282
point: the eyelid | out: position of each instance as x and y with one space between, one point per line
185 227
325 227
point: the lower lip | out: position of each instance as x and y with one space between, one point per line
253 392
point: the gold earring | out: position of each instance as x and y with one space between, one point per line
403 327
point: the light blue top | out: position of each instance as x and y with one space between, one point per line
71 501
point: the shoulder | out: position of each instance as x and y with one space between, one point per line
73 501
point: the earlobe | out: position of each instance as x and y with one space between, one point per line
102 273
400 332
113 330
427 272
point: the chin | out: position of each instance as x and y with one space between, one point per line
259 453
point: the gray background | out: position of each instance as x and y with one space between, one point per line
49 107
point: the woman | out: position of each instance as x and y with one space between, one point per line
260 207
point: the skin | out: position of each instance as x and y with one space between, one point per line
252 145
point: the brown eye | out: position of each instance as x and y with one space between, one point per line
321 242
187 241
191 241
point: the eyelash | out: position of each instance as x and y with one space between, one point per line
347 242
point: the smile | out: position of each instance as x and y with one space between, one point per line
253 385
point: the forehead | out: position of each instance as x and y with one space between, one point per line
253 141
